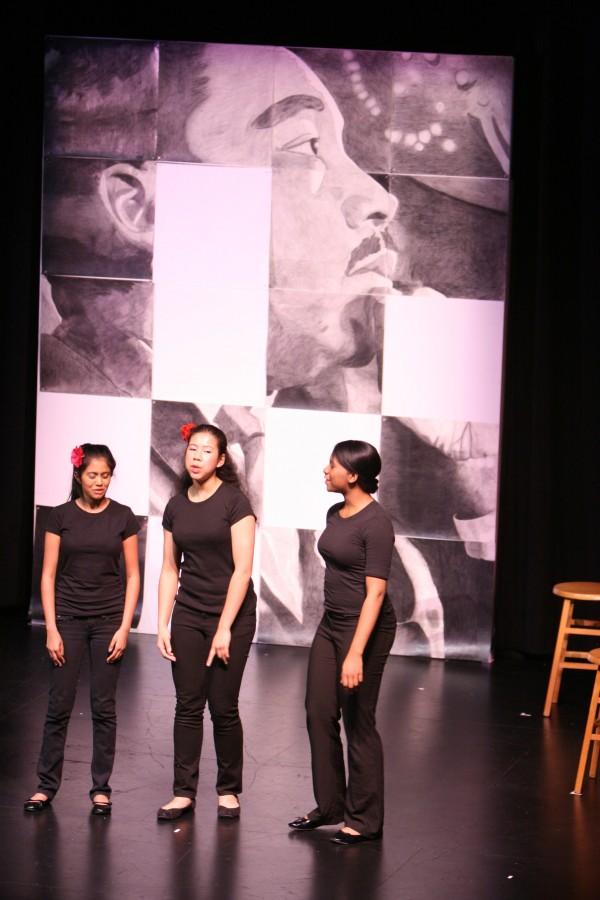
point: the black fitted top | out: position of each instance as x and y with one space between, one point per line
89 581
354 548
202 532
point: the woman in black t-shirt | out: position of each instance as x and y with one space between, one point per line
206 584
350 650
87 610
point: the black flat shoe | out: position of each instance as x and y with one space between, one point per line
36 805
347 839
228 812
176 812
303 823
101 808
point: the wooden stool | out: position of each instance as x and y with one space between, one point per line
592 728
571 591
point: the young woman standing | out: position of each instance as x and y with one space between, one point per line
213 606
86 610
350 650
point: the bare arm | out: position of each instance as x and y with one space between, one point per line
54 643
242 548
352 667
117 646
167 591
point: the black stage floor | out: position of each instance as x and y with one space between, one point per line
478 802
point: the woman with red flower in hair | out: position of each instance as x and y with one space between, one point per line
206 591
87 609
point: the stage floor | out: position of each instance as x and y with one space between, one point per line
478 802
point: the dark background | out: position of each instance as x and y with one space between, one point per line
550 486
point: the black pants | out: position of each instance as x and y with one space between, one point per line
91 634
195 684
360 802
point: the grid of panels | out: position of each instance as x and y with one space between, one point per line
301 246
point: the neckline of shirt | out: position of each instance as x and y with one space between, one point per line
88 512
354 515
206 499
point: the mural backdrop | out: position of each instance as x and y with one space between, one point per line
301 246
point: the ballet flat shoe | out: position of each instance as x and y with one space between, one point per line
348 840
176 812
228 812
101 808
36 805
303 823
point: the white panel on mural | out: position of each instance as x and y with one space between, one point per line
442 358
212 227
210 343
298 444
66 420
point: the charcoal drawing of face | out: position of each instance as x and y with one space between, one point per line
332 261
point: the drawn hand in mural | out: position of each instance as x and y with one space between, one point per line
473 447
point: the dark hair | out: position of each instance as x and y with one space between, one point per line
227 472
90 452
361 459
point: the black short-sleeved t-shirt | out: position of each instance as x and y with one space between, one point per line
353 549
89 580
202 531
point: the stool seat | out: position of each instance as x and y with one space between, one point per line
578 590
591 735
572 592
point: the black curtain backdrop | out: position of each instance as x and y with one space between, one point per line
550 487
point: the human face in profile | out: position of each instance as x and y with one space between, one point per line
337 478
331 258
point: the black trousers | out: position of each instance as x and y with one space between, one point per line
195 684
359 802
81 635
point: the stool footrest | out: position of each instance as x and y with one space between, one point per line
589 631
574 665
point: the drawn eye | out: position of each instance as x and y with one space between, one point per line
307 145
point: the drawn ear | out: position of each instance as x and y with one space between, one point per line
127 193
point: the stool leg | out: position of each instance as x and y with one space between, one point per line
585 746
559 651
595 749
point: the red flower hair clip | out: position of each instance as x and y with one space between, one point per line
77 456
186 430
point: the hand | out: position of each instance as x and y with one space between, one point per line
117 646
55 646
473 447
163 643
352 670
220 646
